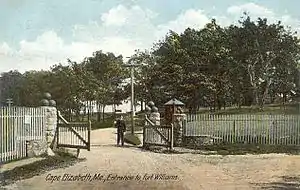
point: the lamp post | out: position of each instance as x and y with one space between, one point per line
298 87
132 94
132 66
132 99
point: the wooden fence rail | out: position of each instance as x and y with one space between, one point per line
159 135
73 134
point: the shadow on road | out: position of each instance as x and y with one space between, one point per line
114 145
286 183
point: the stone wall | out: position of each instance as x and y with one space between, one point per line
196 141
36 148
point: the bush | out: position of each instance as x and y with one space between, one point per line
108 123
239 149
131 139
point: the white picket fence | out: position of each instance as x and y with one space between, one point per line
18 125
259 129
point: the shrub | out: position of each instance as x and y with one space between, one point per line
131 139
108 123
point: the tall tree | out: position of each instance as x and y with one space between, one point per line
264 51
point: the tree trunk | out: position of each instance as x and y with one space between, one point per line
103 109
284 100
89 110
219 105
215 103
142 105
255 94
83 114
98 112
92 110
70 114
251 73
265 93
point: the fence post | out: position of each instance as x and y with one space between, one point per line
51 126
89 135
144 136
171 137
234 132
57 137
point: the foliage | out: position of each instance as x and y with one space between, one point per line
241 149
252 63
107 123
249 64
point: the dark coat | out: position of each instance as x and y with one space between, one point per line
121 126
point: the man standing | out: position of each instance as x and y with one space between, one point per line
121 128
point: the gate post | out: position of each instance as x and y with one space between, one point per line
172 137
179 121
50 121
173 115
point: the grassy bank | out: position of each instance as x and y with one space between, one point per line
234 149
241 149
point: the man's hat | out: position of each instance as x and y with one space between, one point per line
118 112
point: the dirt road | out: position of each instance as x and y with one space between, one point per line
193 171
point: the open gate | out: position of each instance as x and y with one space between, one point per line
157 135
73 134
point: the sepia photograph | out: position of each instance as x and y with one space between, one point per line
149 95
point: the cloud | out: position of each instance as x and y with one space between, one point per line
121 15
190 18
254 9
46 50
116 16
120 30
5 49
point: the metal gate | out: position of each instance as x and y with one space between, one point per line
73 134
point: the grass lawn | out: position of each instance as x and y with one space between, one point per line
291 109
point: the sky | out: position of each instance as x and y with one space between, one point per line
37 34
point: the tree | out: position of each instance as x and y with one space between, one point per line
108 70
264 51
193 66
10 86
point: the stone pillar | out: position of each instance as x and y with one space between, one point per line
155 117
180 119
50 127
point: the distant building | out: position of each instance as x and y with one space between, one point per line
124 107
